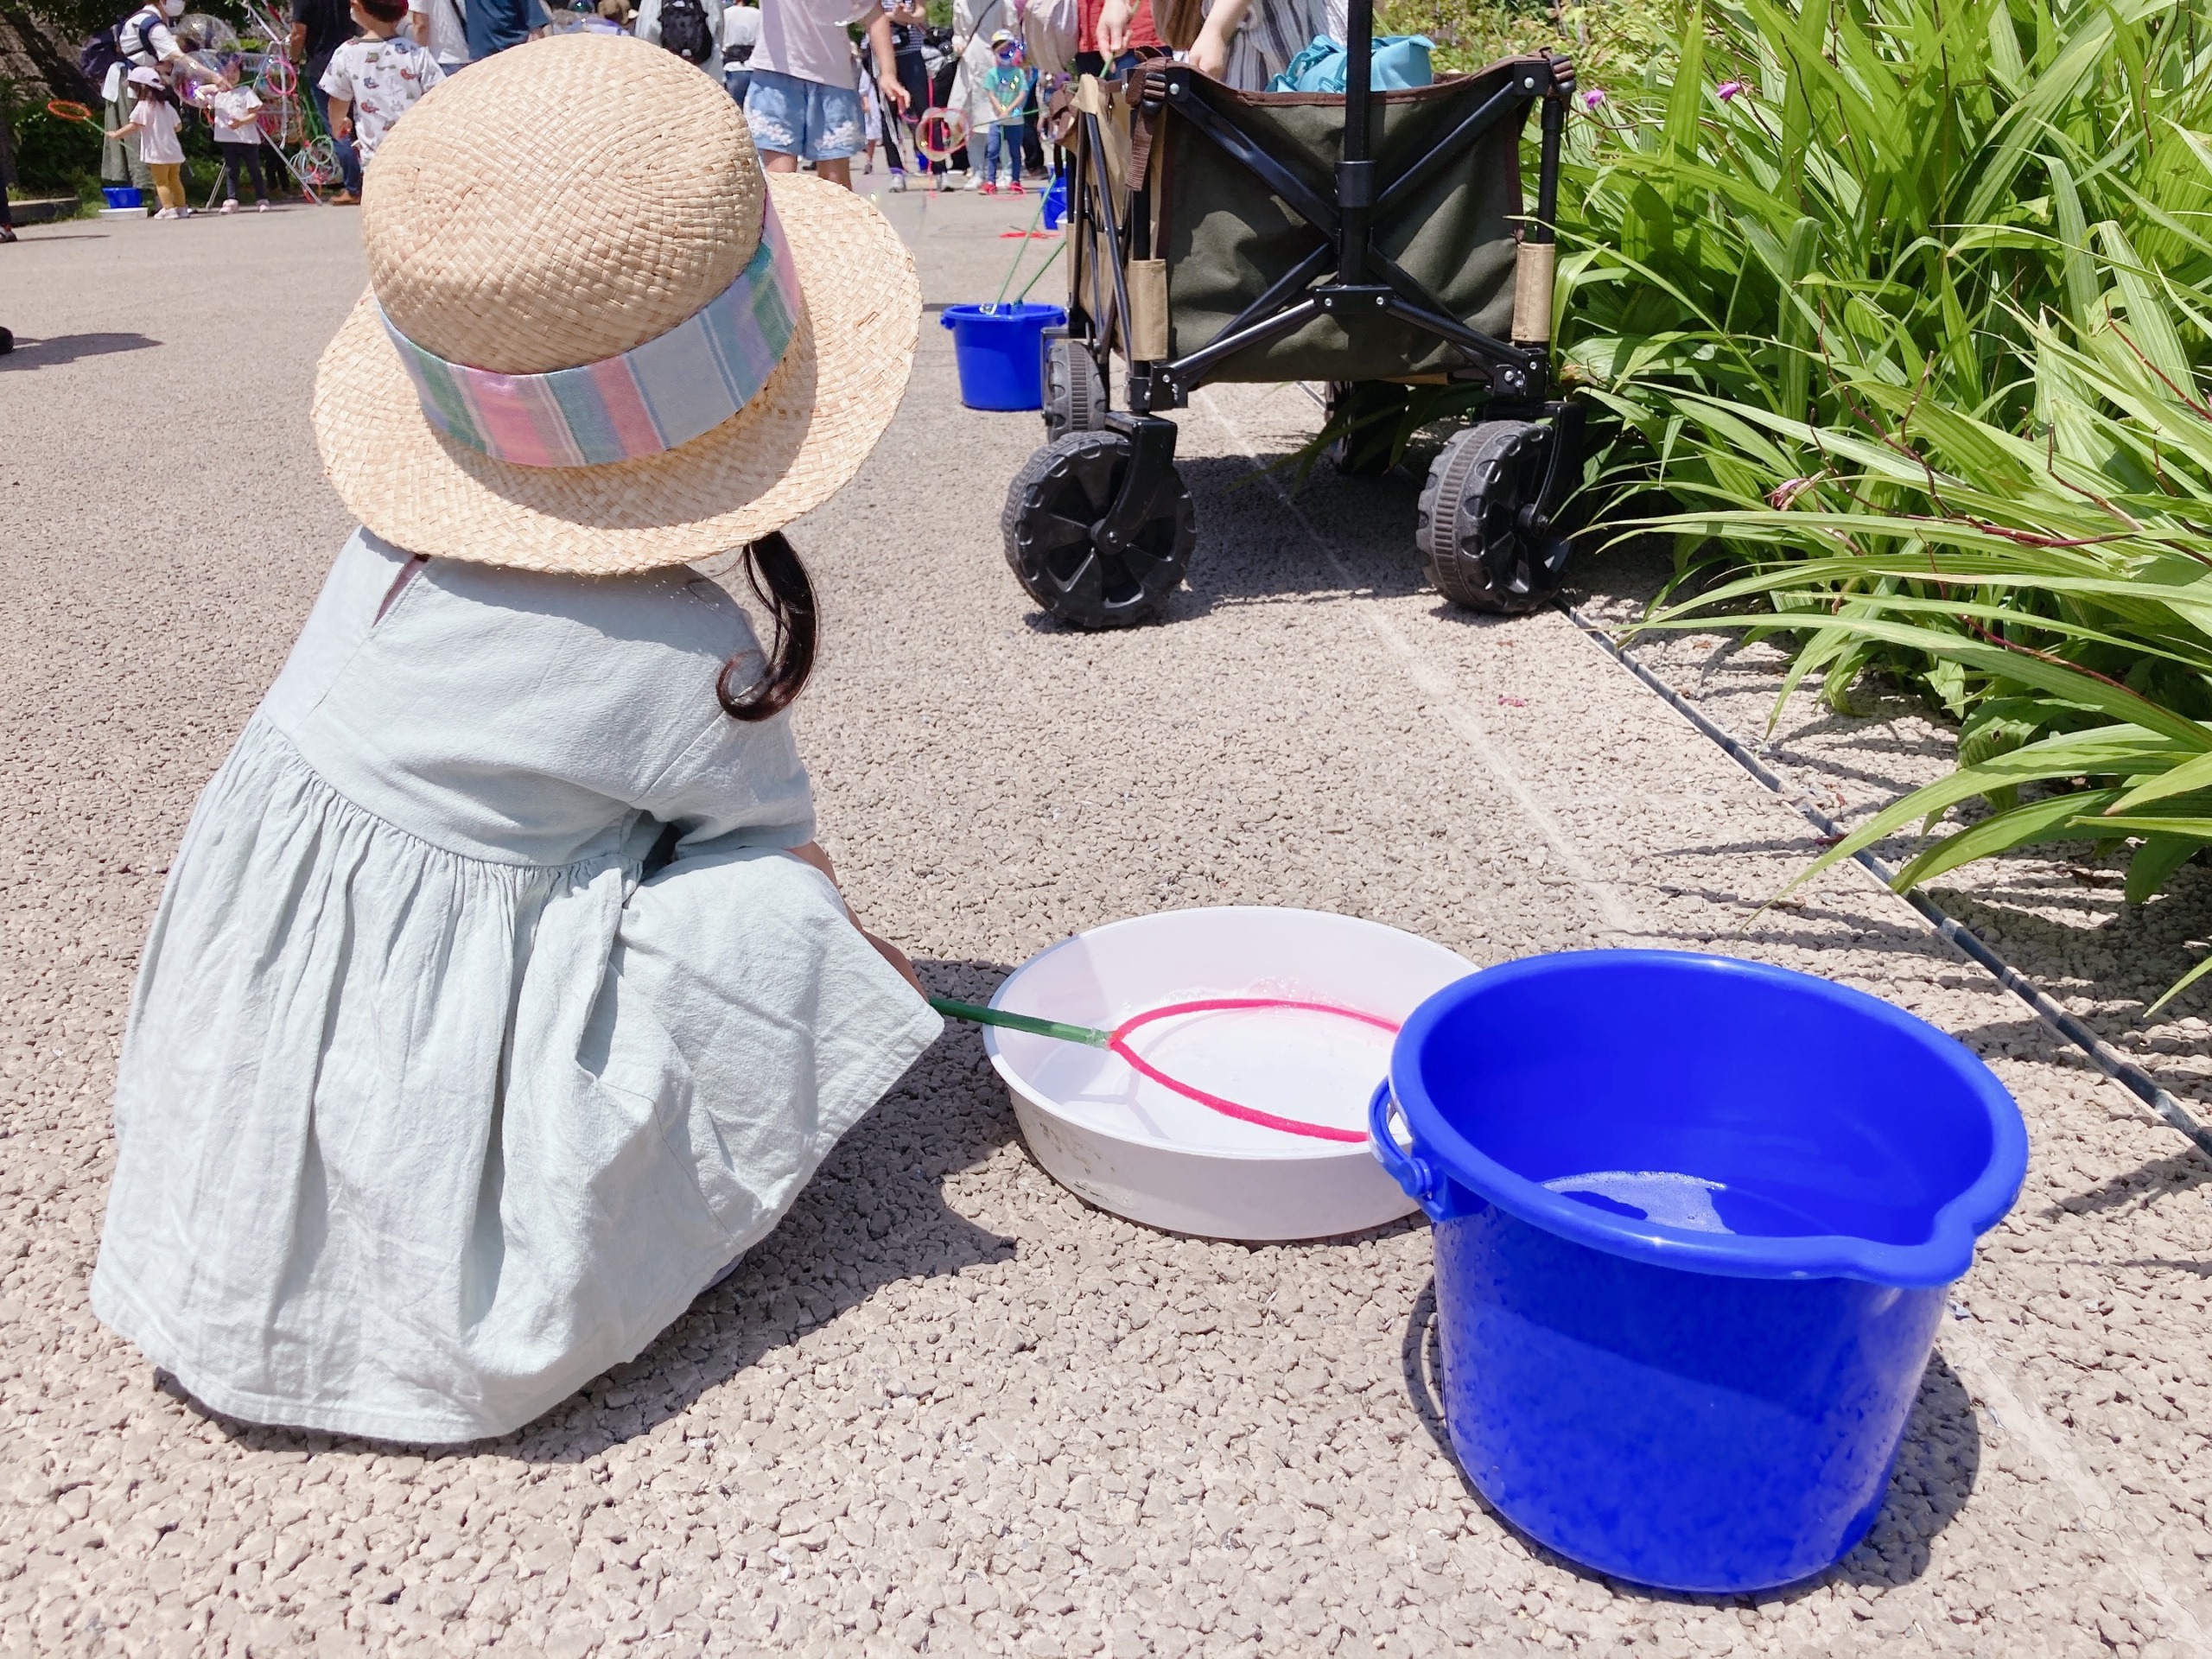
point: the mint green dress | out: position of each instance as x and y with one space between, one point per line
434 1103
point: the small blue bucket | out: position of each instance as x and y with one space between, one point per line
998 349
123 196
1694 1218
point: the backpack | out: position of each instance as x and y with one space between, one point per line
103 49
684 30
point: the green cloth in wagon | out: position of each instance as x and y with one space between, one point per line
1225 236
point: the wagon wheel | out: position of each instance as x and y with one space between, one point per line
1075 392
1374 408
1051 521
1483 531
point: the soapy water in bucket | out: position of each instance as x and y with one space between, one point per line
1657 1195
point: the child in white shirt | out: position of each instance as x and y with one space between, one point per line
374 79
235 112
155 120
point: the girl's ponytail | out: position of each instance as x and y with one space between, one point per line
779 582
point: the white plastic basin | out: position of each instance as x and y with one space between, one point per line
1129 1145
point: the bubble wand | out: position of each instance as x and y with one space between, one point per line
1019 253
1116 1042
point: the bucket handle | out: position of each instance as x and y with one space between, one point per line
1427 1186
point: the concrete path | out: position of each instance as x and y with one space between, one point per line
946 1406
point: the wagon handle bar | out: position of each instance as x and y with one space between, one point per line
1096 145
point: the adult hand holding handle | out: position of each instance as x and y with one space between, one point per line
1114 29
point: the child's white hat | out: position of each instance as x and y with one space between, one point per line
617 345
144 76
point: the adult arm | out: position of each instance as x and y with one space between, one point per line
1113 28
969 17
337 90
887 63
1209 54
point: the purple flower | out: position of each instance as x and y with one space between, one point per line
1728 89
1593 97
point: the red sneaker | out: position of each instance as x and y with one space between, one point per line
1015 189
987 188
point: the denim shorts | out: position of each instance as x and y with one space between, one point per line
806 118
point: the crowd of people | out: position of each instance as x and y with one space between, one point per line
820 81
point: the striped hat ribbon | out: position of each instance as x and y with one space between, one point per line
651 398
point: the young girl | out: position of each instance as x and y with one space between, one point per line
236 113
500 997
155 121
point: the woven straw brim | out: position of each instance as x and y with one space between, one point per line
801 438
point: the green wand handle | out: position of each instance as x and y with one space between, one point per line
983 1016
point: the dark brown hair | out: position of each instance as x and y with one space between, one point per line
779 582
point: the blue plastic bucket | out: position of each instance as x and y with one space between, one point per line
1694 1218
123 196
998 351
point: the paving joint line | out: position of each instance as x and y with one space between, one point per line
1614 910
2016 1412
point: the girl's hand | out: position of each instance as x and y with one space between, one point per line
812 854
894 94
892 954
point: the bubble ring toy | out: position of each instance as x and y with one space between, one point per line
277 76
319 162
939 132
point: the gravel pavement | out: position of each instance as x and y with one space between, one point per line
946 1406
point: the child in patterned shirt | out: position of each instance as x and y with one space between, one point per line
374 79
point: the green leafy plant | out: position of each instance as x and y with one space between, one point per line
2062 574
1796 198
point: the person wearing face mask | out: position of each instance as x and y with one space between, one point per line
144 41
147 42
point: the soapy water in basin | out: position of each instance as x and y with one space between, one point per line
1255 1073
1657 1195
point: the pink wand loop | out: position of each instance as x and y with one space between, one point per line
1119 1045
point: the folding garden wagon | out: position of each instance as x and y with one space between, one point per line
1374 242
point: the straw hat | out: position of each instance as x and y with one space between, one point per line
558 208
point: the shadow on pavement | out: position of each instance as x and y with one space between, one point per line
68 348
1937 1467
874 1214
